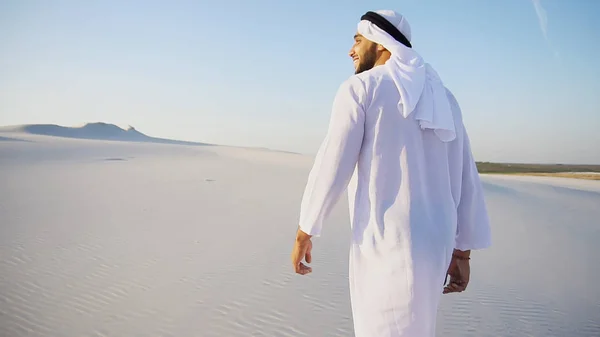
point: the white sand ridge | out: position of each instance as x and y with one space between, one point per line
98 131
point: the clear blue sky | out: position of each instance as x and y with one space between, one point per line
264 73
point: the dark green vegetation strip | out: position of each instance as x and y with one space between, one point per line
487 167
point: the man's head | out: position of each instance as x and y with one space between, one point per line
369 49
367 54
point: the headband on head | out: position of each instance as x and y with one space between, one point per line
387 27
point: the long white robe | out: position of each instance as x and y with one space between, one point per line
412 197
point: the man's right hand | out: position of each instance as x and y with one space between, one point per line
459 272
302 250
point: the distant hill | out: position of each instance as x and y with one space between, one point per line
98 131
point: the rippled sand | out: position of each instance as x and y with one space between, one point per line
117 239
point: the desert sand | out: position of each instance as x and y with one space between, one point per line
116 238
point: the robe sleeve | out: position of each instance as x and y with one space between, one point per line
336 159
473 231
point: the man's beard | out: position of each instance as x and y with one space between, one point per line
368 60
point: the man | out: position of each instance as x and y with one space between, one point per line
397 142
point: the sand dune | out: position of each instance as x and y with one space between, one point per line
98 131
105 238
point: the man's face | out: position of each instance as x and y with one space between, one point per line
363 53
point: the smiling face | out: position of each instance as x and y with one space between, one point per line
363 53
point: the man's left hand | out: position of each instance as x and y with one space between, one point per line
459 272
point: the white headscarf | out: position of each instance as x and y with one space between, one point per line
421 89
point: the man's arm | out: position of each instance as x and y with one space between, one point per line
473 230
336 159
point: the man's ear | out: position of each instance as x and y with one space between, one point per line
380 48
